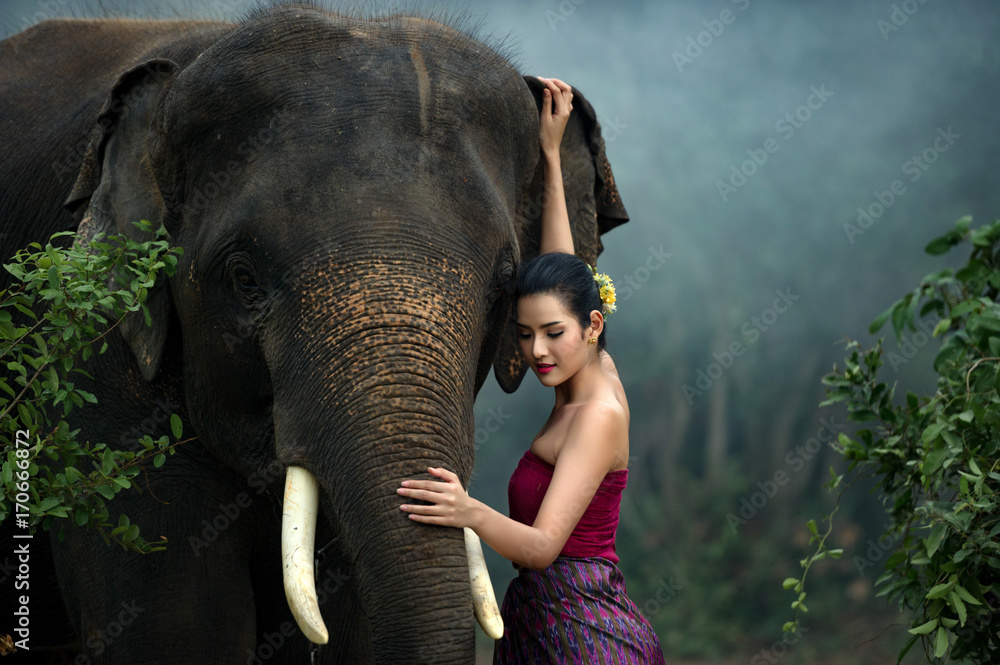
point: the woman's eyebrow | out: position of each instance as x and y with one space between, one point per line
544 325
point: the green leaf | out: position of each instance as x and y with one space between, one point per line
933 541
176 427
939 591
925 628
940 245
862 415
959 606
879 321
899 315
107 462
933 461
789 582
962 224
965 595
941 327
941 642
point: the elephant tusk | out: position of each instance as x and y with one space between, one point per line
484 603
298 538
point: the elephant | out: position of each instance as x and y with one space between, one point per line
353 196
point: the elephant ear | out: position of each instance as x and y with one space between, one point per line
117 187
592 201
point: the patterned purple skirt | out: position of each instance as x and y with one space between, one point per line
574 611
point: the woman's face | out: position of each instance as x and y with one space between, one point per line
552 340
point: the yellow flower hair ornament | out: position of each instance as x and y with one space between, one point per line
607 289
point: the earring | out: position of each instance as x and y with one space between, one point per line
593 340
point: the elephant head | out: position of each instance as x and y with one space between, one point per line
353 198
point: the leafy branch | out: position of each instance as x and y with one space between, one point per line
936 458
65 301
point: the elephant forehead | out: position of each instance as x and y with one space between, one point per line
346 68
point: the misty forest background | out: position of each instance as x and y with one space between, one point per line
839 97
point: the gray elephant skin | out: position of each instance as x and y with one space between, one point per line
354 196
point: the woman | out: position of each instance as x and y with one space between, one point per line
568 603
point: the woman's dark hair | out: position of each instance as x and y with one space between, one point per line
568 278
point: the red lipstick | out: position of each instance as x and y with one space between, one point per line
544 369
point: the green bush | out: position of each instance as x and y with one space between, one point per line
69 299
936 459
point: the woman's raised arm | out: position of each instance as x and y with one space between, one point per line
557 103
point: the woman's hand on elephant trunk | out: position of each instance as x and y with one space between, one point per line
450 504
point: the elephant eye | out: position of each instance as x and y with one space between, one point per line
244 280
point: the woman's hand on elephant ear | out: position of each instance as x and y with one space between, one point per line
451 505
552 122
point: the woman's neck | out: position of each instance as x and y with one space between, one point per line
583 385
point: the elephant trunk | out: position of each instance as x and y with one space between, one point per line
379 388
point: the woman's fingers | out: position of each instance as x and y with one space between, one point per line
450 476
432 485
426 495
558 98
